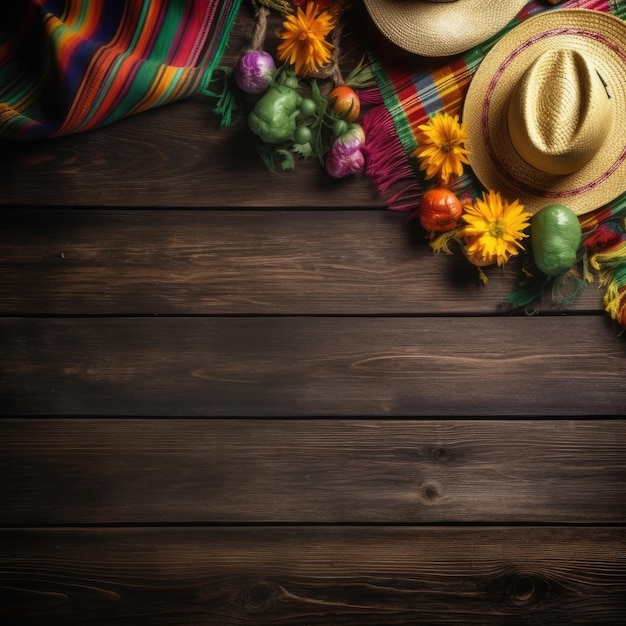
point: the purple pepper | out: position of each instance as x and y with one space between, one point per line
254 71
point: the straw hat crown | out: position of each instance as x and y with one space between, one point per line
441 27
559 114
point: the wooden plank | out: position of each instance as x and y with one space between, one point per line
239 262
58 471
311 366
313 576
172 156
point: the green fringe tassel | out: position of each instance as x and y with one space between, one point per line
564 288
226 104
226 107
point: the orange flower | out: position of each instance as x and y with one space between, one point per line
304 42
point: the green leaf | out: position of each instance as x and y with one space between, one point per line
285 159
361 76
319 127
304 150
275 158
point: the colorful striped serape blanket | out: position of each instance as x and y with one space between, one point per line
68 66
413 89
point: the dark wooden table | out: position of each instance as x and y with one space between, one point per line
232 397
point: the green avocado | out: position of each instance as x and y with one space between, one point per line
555 236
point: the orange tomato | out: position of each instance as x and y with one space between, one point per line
345 102
440 210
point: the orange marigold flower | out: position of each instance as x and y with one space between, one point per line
304 42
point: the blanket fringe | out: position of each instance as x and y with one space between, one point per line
386 164
611 265
370 96
564 289
227 107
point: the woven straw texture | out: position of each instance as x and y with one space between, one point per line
441 28
560 112
601 39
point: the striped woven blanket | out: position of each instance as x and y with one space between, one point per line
412 94
69 66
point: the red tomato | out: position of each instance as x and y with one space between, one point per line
440 210
345 102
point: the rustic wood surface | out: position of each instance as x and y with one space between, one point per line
232 397
311 471
313 575
310 366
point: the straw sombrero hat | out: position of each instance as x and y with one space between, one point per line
441 27
546 111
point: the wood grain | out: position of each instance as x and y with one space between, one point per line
172 156
240 262
313 576
58 471
311 366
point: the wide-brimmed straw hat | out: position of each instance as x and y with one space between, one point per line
441 27
546 111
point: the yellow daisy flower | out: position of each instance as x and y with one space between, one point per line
440 147
494 229
304 42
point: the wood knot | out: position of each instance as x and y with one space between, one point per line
431 492
259 598
443 455
523 589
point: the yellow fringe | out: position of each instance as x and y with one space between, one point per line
611 299
440 244
612 278
587 273
482 276
609 259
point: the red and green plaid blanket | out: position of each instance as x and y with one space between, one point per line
414 89
68 66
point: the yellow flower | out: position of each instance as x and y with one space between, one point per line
440 147
304 44
494 229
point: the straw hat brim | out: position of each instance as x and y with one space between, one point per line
601 37
441 28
